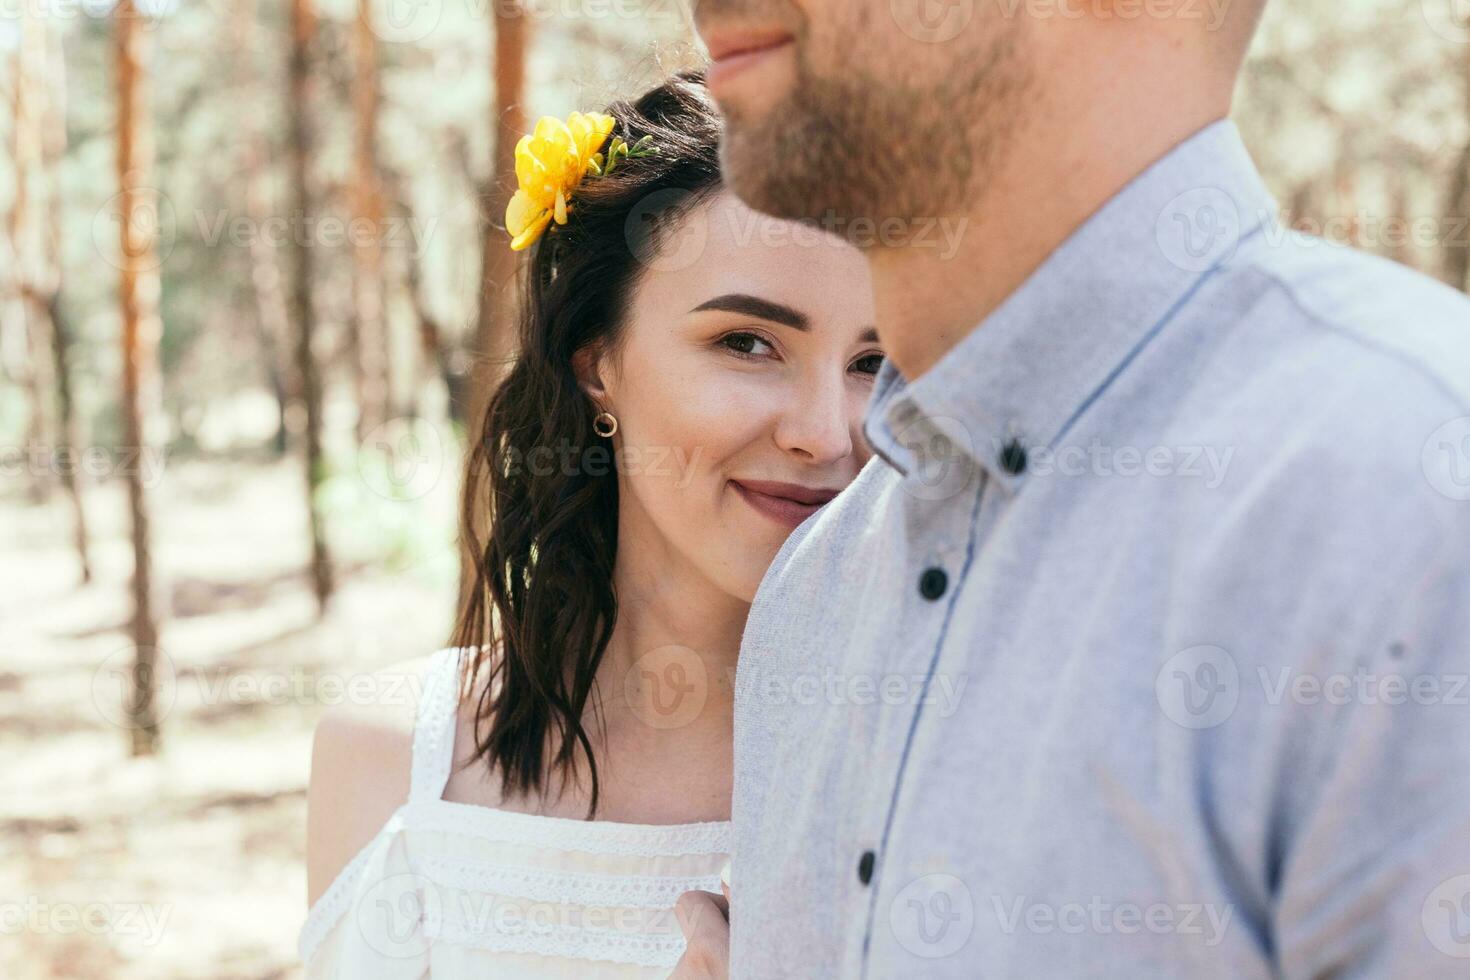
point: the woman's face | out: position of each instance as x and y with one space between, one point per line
739 388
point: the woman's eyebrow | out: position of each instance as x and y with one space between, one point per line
750 305
767 309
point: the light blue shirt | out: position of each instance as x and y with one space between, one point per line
1140 649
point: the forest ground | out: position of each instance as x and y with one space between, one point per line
187 864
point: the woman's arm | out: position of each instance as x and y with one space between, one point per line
361 758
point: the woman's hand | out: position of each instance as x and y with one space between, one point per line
705 919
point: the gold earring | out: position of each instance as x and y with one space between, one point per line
605 424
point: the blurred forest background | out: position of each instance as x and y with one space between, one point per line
246 305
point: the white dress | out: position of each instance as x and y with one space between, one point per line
454 890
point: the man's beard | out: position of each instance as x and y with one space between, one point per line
870 147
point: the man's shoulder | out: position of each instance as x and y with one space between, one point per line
813 556
1341 389
1377 320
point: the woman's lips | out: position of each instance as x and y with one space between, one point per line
783 510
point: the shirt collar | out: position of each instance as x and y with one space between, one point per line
1018 380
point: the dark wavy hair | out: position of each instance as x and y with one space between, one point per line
541 608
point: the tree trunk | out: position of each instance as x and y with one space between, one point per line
28 113
494 341
66 410
439 355
53 151
38 144
307 380
273 322
374 384
141 327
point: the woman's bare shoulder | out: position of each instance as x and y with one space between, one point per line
361 760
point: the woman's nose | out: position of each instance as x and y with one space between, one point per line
816 421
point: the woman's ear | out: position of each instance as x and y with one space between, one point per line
587 366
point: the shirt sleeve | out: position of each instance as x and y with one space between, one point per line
1376 880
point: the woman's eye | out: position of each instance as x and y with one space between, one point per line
869 363
743 343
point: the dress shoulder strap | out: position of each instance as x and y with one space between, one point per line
433 733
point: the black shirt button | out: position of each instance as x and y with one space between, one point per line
865 866
933 583
1013 457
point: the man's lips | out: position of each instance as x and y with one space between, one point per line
724 44
733 53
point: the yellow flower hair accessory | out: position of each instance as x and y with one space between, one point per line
551 162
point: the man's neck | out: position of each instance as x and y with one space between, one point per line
1052 171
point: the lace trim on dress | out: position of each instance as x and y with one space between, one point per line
567 887
562 940
433 736
564 833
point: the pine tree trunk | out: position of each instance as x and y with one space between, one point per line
71 441
27 115
308 380
273 322
53 151
492 337
494 341
141 329
367 205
